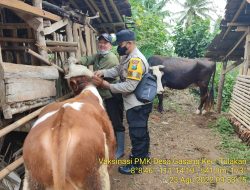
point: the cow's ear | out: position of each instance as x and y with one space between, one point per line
73 85
161 66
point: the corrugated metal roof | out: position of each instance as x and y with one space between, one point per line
237 12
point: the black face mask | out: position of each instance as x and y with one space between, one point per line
122 50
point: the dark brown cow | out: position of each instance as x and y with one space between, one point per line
179 73
63 148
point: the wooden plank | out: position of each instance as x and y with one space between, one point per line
62 49
60 43
40 39
76 39
18 90
54 27
69 35
10 70
82 43
26 8
44 59
88 40
18 58
18 40
13 26
2 92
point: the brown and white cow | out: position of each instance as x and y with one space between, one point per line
65 145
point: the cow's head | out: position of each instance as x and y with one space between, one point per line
156 72
79 77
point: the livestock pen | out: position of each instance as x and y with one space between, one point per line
36 39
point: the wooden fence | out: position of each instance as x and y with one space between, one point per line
240 106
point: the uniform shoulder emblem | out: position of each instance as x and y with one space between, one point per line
135 70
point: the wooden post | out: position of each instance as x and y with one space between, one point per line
39 37
76 39
247 55
221 85
18 60
69 34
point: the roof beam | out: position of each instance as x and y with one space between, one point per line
98 10
243 4
28 9
238 24
236 45
107 10
116 10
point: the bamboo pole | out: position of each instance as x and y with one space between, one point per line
240 117
43 59
10 167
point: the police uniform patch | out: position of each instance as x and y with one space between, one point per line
135 69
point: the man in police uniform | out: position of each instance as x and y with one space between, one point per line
105 59
130 70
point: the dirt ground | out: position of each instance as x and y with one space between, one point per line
179 135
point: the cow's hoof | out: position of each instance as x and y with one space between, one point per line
198 112
203 112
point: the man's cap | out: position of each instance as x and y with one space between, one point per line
124 35
77 70
106 36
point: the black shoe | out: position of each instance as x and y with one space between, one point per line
130 169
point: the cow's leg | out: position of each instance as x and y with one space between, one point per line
103 170
26 181
203 98
160 104
31 184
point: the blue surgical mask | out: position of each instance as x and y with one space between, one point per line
122 50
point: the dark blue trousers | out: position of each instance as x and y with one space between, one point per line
114 108
137 118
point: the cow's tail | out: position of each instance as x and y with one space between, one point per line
210 100
60 143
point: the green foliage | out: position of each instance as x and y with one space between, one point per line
151 30
195 9
230 142
228 85
192 41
